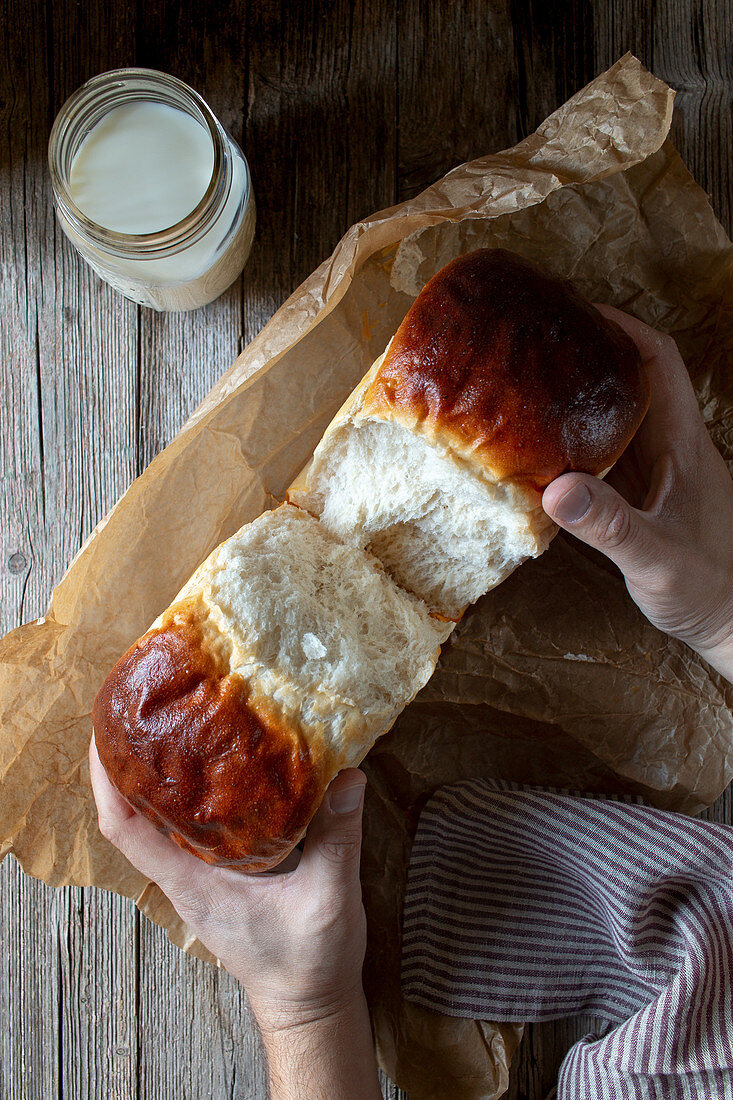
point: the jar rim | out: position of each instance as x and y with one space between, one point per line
91 96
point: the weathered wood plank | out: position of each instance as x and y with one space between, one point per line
691 45
96 937
91 458
28 994
553 45
457 82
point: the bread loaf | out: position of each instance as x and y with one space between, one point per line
301 638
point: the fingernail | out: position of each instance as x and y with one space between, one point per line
573 505
346 800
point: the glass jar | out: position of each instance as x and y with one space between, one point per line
189 263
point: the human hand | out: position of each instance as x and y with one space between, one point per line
665 514
296 939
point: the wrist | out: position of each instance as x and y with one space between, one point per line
719 655
324 1051
283 1016
713 639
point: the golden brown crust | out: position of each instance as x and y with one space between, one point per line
180 738
514 369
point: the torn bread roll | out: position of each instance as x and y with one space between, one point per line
301 638
500 378
281 662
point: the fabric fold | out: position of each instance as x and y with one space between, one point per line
529 905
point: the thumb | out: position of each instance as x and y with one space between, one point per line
595 513
333 845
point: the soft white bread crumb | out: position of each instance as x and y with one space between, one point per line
319 627
441 531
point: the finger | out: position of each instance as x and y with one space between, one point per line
110 804
650 342
674 414
333 845
154 855
596 514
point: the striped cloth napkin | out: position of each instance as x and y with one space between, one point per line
528 905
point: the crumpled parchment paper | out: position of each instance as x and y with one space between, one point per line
554 678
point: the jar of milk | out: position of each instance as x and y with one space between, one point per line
150 188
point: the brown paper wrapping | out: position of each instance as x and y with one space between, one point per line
553 678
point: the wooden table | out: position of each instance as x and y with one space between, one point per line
343 108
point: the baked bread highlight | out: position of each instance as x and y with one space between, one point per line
500 378
281 662
301 638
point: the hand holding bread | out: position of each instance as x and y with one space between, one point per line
295 940
665 517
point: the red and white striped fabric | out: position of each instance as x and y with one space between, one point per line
528 905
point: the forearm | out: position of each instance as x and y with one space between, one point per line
330 1058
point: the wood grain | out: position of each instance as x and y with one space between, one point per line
343 108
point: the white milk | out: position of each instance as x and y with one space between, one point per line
144 167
